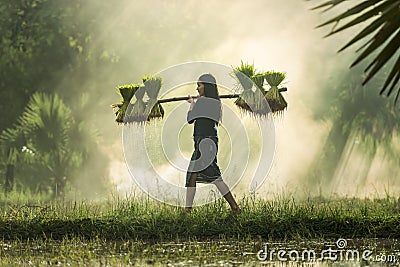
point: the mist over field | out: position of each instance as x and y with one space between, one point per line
131 39
274 35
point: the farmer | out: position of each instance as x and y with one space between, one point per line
205 112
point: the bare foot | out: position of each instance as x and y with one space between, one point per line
187 210
236 210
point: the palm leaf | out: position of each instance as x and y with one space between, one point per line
375 42
386 13
46 120
394 77
376 24
353 11
329 3
11 142
387 38
382 58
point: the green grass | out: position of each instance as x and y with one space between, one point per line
146 219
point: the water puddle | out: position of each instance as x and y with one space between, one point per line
341 252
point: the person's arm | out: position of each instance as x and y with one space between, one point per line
191 115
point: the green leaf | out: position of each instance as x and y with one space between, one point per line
382 20
355 10
332 2
382 36
364 17
387 25
383 57
391 77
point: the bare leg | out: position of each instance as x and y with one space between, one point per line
224 189
190 192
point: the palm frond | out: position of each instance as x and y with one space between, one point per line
387 38
376 41
12 141
12 137
329 3
353 11
46 118
382 58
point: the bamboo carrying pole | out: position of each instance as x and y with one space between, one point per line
173 99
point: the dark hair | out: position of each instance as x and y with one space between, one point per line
211 89
210 86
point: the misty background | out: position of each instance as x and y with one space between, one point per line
335 138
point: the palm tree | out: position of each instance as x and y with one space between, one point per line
59 145
45 122
374 124
11 143
358 117
386 26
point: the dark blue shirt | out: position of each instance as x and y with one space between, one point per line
205 115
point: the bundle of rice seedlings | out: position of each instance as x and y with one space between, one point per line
137 111
275 99
250 100
126 92
274 78
152 87
243 74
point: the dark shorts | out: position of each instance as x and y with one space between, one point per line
206 167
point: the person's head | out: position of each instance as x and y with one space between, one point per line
207 86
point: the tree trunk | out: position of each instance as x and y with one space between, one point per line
9 184
322 170
59 186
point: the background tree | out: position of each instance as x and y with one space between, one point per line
46 122
382 46
58 145
12 141
43 43
46 46
357 117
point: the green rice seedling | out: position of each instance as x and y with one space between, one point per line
126 92
258 79
247 69
243 73
152 87
275 99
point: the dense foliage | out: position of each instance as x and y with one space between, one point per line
45 47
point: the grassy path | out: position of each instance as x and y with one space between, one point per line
144 219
